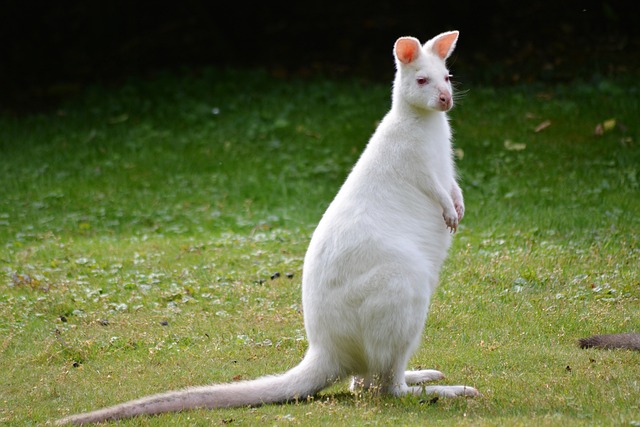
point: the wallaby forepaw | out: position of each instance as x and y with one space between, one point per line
459 210
451 221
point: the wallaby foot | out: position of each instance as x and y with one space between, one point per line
422 376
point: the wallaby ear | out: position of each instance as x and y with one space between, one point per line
407 49
443 44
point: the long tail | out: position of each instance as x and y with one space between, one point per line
300 382
627 341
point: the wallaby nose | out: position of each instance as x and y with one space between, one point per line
445 100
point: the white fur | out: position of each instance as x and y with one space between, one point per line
373 261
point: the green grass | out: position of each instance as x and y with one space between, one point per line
140 227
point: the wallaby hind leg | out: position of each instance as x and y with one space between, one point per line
449 390
411 377
377 384
422 376
399 385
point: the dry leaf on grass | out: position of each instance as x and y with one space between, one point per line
514 146
545 124
605 126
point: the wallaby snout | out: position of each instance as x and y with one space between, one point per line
445 101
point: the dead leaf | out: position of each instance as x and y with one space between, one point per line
605 126
118 119
542 126
609 124
514 146
599 130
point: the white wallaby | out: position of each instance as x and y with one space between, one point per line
373 261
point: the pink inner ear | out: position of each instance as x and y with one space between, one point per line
444 44
407 49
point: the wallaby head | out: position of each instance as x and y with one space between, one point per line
422 78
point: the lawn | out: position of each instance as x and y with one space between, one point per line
152 237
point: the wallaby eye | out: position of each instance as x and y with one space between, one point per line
422 81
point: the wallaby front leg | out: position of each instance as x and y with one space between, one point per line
449 211
458 201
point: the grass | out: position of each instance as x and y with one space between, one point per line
142 228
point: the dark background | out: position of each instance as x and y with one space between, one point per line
52 50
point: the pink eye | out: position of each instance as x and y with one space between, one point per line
447 78
422 81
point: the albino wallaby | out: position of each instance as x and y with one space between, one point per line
373 261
